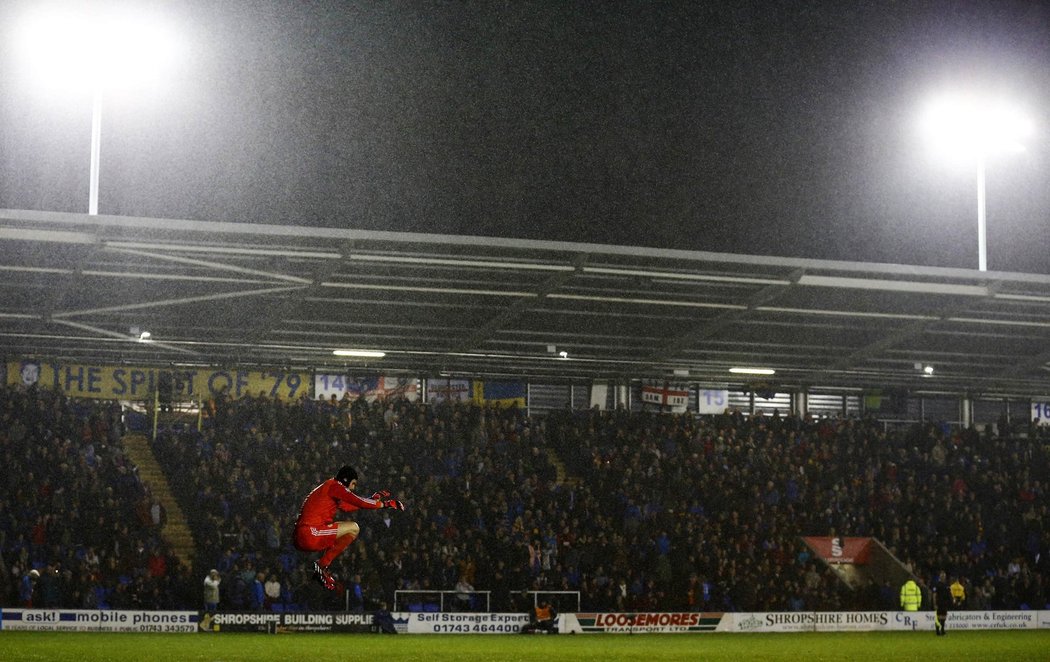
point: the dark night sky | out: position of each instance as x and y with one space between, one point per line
769 128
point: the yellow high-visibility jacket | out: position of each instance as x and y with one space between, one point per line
911 596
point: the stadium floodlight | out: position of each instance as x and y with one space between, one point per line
360 353
94 49
968 129
753 371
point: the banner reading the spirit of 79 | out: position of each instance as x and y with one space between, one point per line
110 382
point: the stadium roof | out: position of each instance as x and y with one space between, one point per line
81 288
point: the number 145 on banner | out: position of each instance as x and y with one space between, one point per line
712 401
1041 412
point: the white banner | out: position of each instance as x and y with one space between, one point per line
712 400
370 387
868 621
459 623
599 394
809 621
988 620
454 390
1041 412
98 620
639 622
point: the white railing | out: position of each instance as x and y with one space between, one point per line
430 600
562 600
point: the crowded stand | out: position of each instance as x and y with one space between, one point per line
636 511
724 500
77 526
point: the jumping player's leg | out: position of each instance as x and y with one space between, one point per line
331 540
348 532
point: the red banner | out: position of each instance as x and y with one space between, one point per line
839 549
669 395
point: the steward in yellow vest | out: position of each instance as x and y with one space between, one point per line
911 596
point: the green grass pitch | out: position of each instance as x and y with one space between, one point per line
1001 646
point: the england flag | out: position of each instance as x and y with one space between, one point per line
666 395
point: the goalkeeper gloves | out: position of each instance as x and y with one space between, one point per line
380 495
393 503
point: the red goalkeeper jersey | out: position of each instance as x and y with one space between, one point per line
321 504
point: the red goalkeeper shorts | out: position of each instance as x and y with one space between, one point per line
315 538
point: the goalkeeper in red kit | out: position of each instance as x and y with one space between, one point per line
316 529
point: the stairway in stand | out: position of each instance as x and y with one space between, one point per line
562 475
176 531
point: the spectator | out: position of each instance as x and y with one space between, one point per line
357 594
724 497
384 620
464 595
211 591
958 592
257 596
542 619
272 591
27 587
911 596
